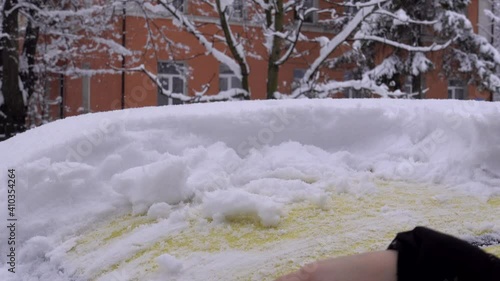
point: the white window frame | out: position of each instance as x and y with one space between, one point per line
225 73
313 17
298 74
86 89
350 92
495 97
179 4
234 14
350 11
453 86
170 79
408 86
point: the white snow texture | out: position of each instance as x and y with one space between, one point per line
221 160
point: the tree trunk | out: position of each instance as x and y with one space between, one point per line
29 53
1 54
234 52
13 106
272 67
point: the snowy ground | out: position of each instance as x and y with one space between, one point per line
245 191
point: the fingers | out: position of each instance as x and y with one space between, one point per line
373 266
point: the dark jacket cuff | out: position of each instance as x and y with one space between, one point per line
425 254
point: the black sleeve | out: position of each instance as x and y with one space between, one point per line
425 254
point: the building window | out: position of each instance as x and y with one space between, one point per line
227 79
173 79
350 11
237 11
408 85
298 74
86 89
310 17
178 4
456 89
413 87
495 96
350 92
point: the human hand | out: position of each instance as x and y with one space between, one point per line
372 266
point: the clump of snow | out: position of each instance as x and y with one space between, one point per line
36 248
389 67
159 210
322 40
222 204
177 23
162 181
401 17
360 187
169 264
225 160
420 64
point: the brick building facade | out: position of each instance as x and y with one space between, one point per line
192 71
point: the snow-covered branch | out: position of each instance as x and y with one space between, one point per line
191 28
324 90
492 16
432 48
339 39
400 17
